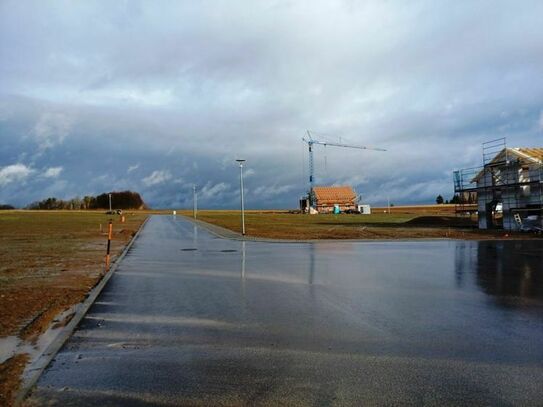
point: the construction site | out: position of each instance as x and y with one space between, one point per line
506 192
331 199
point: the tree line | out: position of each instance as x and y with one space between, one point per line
119 200
465 198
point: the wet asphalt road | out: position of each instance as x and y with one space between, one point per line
192 319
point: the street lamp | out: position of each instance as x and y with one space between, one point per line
240 161
194 202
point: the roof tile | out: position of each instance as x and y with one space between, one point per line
333 195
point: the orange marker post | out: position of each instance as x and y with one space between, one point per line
109 235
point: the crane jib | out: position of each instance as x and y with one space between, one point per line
310 141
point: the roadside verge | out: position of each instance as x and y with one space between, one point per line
40 362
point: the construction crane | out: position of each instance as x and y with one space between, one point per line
311 141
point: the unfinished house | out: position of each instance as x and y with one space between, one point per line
509 187
326 198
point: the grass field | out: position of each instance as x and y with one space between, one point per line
49 261
284 225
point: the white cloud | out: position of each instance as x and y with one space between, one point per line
14 173
130 95
157 177
541 121
213 190
132 168
51 130
52 172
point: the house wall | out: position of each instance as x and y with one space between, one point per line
520 200
329 208
484 197
513 198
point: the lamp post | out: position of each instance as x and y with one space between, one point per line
240 161
110 202
194 202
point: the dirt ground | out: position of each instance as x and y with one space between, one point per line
400 225
49 262
10 377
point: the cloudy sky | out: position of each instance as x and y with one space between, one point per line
155 96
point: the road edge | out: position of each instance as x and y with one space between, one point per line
38 366
218 231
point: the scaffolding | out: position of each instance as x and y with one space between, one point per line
506 191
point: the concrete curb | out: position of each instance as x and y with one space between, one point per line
36 368
217 231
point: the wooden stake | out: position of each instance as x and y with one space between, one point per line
109 235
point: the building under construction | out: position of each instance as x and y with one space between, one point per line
328 199
508 187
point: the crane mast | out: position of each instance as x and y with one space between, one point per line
311 142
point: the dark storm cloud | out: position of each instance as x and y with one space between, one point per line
156 96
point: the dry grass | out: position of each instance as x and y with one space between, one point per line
282 225
443 209
10 378
50 258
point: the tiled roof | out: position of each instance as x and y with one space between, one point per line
332 195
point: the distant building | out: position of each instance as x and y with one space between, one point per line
326 198
509 188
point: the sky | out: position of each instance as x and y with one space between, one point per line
156 96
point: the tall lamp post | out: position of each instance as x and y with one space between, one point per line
194 202
240 161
